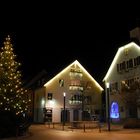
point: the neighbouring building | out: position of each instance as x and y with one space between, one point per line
123 75
32 85
71 95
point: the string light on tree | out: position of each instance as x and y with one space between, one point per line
12 94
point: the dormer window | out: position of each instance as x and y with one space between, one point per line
126 51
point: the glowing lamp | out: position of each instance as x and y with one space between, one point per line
107 85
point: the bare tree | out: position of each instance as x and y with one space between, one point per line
130 96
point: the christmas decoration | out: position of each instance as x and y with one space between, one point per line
13 97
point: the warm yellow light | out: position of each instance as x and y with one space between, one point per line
51 103
82 68
113 64
43 102
107 85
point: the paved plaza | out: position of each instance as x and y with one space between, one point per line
43 132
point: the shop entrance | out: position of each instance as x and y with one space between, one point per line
48 115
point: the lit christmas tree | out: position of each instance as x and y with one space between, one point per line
13 97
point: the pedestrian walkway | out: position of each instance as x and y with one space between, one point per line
42 132
114 128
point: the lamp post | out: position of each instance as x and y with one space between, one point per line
43 106
108 106
64 115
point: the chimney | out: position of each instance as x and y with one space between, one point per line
135 35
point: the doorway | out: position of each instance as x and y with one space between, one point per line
67 115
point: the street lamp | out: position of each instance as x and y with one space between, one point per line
64 115
108 106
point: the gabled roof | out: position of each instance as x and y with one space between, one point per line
129 45
35 79
80 66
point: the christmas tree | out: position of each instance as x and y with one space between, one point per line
13 97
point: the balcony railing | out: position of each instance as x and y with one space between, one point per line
75 102
76 87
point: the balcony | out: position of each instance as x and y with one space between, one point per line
77 70
76 73
76 99
76 87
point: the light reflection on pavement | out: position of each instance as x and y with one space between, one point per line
41 132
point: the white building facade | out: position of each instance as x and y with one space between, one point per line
124 70
67 95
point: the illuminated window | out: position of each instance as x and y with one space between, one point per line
75 73
75 82
126 51
114 110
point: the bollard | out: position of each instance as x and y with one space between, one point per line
49 125
63 127
84 127
53 125
99 128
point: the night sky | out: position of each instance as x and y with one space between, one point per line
52 39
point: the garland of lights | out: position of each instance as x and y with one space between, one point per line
12 96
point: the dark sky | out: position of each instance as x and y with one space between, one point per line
52 39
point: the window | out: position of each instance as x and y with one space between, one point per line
127 64
123 65
114 86
130 63
118 67
61 82
138 60
75 82
50 96
76 99
76 75
135 62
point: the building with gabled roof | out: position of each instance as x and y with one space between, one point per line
124 71
82 96
32 85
